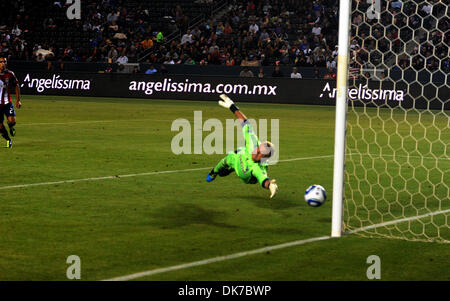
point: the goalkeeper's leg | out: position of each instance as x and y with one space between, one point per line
222 169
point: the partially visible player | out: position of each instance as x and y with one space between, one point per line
8 82
248 162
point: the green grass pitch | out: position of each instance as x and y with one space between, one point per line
124 225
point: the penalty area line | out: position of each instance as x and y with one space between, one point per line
168 172
137 174
102 178
262 250
90 122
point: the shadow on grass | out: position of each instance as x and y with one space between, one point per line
179 215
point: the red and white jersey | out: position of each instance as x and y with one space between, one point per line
8 82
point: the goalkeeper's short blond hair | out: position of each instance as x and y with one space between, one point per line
270 149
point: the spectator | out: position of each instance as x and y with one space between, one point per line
264 61
151 70
121 69
187 38
159 37
164 69
261 73
252 61
196 33
316 30
219 28
228 29
169 61
108 69
40 58
295 74
250 6
246 72
114 26
189 61
16 30
214 57
245 62
112 17
330 74
267 7
335 52
354 45
213 47
331 63
132 54
316 74
136 70
397 4
148 43
68 53
277 72
264 35
112 55
122 59
253 28
229 60
427 8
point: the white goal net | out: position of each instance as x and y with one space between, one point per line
397 164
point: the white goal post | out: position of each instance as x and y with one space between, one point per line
341 115
392 130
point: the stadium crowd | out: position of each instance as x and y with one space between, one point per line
299 33
259 33
250 33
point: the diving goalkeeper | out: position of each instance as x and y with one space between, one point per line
248 162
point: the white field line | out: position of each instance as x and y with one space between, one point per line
138 174
258 251
406 219
91 121
171 171
217 259
103 178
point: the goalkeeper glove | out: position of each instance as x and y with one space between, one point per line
227 103
273 187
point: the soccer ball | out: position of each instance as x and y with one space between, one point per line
315 195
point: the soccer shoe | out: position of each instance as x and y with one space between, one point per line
8 144
210 178
12 131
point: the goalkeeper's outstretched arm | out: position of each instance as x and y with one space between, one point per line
227 103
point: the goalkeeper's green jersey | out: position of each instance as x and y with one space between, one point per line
249 171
